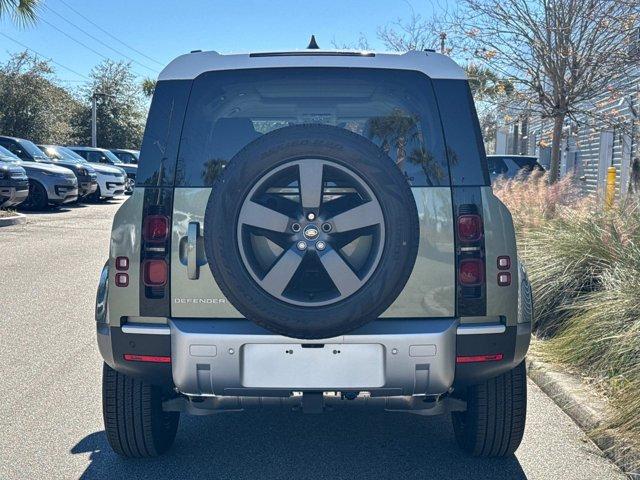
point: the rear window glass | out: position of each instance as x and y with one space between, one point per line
157 160
465 148
396 110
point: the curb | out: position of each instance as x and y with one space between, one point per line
17 219
587 410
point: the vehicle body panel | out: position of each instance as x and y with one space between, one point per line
500 240
430 291
126 241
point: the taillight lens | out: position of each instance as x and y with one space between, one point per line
471 272
494 357
155 273
122 280
130 357
469 228
504 262
504 279
156 228
122 263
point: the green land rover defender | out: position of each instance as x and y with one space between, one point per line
314 230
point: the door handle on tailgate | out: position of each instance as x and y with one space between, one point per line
193 231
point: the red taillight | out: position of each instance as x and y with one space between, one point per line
129 357
495 357
155 273
469 228
155 228
122 279
471 272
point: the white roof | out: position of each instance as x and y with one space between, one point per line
434 65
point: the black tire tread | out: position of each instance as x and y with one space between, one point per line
493 425
134 421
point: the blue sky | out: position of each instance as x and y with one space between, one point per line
163 29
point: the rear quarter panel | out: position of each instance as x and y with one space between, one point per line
126 241
500 239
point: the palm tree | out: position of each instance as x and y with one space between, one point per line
148 87
486 84
23 12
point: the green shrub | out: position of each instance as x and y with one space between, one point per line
584 266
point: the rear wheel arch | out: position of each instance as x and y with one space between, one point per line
39 200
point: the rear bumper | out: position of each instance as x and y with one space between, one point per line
387 357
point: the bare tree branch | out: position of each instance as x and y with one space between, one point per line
560 54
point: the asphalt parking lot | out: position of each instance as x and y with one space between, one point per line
50 413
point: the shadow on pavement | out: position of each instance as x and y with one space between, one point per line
55 210
347 444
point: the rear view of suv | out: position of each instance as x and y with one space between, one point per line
313 229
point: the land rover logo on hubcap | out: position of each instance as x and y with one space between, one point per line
311 232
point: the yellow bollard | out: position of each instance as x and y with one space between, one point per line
610 189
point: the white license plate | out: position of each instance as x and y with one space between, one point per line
334 366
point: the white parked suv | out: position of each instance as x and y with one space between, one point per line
111 180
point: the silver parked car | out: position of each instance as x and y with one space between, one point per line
48 184
85 173
14 184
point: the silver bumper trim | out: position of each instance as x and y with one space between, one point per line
146 329
218 358
481 329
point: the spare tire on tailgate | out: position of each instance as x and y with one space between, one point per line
311 231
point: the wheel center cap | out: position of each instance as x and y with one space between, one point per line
311 232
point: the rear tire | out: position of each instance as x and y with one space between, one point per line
135 424
493 424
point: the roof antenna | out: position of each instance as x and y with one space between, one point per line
313 45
